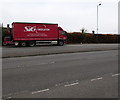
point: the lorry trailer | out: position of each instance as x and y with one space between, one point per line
31 34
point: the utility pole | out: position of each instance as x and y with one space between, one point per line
97 21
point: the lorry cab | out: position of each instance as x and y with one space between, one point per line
62 36
8 40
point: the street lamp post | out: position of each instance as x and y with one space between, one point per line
97 20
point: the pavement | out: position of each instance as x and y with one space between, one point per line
10 51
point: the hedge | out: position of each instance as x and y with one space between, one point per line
77 37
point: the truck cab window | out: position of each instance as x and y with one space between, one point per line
64 33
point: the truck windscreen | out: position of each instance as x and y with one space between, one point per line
64 33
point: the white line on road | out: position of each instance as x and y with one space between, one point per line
57 84
66 83
100 78
9 97
52 62
96 79
71 84
40 91
115 75
75 81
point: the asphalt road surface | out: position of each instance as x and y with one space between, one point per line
10 51
72 75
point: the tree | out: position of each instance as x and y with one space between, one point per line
83 30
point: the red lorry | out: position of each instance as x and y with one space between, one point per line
31 34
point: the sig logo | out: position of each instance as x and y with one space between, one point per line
30 29
36 29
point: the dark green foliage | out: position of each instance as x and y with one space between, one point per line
77 37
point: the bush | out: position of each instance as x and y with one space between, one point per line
77 37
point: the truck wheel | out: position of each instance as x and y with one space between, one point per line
61 43
4 44
32 44
16 44
23 44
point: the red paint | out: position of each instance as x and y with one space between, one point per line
36 31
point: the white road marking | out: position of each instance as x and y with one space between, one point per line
74 81
115 75
9 97
66 83
52 62
71 84
40 91
96 79
57 84
100 78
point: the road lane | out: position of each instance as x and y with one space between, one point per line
43 72
104 88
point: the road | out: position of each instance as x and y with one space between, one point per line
71 75
45 50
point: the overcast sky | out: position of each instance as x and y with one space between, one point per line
71 15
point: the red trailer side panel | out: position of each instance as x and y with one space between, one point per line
35 31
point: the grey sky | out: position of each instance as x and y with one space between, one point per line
72 15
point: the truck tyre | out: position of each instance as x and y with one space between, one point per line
16 44
4 44
32 44
23 44
61 43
